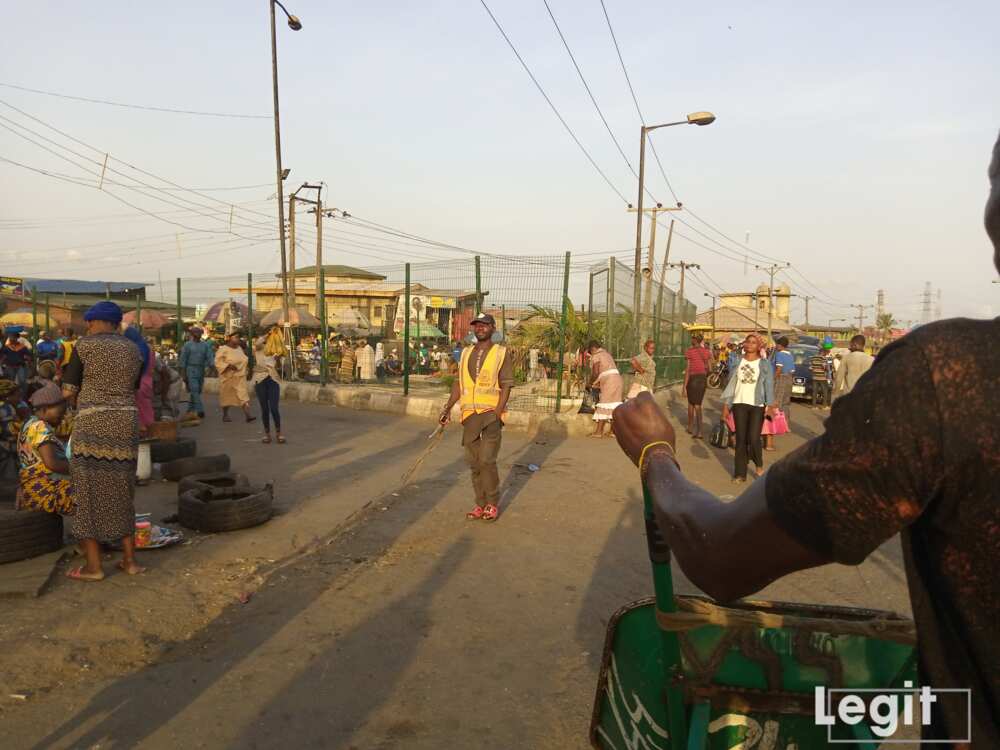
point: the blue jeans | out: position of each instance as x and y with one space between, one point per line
268 393
195 382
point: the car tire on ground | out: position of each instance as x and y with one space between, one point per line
216 480
28 533
226 509
162 452
185 467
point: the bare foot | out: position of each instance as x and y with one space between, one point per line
132 568
82 574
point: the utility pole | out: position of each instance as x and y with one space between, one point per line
319 250
684 266
806 298
663 279
714 297
647 270
771 270
290 278
861 316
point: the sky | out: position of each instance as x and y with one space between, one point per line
852 139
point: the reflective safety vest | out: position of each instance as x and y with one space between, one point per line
483 393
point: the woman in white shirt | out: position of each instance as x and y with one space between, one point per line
749 396
266 383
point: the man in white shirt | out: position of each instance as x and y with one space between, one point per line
852 367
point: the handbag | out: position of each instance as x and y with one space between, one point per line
588 402
779 422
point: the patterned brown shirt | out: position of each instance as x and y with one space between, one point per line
914 449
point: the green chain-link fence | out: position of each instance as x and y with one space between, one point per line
415 317
612 319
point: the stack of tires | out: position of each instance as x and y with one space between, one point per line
222 501
24 533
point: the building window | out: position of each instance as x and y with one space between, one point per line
377 312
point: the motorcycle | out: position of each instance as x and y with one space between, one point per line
718 375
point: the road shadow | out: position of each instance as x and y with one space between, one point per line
134 707
537 452
332 697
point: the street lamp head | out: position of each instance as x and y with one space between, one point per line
294 23
701 118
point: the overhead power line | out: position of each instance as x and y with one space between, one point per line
138 106
553 107
590 93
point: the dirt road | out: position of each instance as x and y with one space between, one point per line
404 626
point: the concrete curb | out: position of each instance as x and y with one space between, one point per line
367 399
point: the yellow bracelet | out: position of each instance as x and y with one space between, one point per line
642 454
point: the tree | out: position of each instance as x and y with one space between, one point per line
885 322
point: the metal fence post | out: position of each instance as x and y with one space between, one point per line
611 304
590 304
406 327
656 333
47 323
562 335
479 289
250 319
138 312
503 322
180 319
325 331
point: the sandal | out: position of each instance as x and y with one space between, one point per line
490 512
267 439
475 514
281 439
77 574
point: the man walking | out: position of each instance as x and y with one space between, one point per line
821 367
196 356
852 367
485 377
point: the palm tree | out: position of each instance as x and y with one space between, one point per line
885 323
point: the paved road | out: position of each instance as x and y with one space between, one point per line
411 628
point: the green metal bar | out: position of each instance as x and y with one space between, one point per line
138 312
326 326
503 322
406 329
107 291
180 321
562 335
47 323
250 318
590 304
698 731
610 298
663 586
34 316
479 289
673 324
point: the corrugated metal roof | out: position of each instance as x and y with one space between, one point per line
75 286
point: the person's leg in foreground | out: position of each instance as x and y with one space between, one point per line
262 398
741 418
755 421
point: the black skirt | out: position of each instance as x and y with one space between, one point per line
696 389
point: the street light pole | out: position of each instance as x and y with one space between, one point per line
295 25
695 118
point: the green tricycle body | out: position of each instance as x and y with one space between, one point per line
683 673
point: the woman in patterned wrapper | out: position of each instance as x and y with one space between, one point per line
101 379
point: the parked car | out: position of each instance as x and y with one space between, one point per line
802 379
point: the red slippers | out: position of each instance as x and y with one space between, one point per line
490 513
475 514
